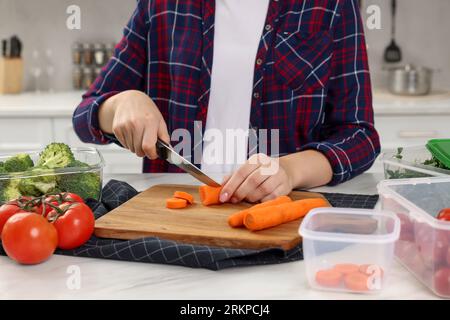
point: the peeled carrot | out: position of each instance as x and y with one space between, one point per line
209 195
329 278
184 195
346 268
272 216
236 220
356 281
175 203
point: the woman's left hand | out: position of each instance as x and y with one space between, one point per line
261 178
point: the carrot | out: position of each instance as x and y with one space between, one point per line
237 219
184 195
272 216
346 268
356 281
209 195
175 203
329 278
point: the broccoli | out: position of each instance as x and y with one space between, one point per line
37 184
18 163
86 184
10 191
56 155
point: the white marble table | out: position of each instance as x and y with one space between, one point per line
104 279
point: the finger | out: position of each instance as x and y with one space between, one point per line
163 133
236 180
264 189
137 140
120 136
225 179
129 138
149 142
250 185
278 192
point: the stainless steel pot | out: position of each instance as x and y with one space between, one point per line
410 80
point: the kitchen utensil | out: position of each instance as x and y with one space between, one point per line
167 153
410 80
147 216
393 53
440 149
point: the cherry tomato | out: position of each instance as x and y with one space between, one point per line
7 211
72 197
444 214
442 281
29 238
75 226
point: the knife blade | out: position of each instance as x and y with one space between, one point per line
167 153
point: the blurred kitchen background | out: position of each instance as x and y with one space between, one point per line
42 111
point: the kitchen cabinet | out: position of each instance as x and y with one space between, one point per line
30 121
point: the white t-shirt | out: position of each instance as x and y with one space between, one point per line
238 29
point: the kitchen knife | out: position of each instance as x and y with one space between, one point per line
167 153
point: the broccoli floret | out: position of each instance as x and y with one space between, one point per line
38 184
56 155
10 191
18 163
87 185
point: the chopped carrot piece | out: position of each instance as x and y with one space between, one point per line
371 269
175 203
346 268
272 216
209 195
329 278
356 281
184 195
236 220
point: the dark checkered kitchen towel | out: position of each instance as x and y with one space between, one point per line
155 250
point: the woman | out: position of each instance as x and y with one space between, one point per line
297 68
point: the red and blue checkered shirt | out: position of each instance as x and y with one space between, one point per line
311 78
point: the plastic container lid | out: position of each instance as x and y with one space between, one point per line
440 149
350 225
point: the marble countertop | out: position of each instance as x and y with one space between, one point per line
104 279
62 104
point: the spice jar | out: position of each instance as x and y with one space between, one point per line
77 78
99 54
88 78
88 54
77 53
109 49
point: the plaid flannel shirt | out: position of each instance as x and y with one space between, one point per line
311 77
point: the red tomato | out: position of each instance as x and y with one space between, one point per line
72 197
6 212
29 238
75 227
444 214
432 244
442 281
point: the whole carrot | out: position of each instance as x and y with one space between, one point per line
236 220
268 217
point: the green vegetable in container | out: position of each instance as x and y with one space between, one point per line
56 155
18 163
10 190
39 183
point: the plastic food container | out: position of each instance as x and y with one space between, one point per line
349 250
84 180
424 243
410 165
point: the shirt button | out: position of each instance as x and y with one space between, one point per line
259 61
268 27
256 95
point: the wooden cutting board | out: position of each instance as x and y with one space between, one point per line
146 215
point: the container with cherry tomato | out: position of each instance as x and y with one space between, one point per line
32 228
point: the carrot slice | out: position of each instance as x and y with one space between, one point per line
236 220
184 195
209 195
272 216
356 281
329 278
346 268
371 269
175 203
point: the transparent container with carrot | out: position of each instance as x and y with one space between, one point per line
349 250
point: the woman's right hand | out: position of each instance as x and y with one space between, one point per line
136 122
